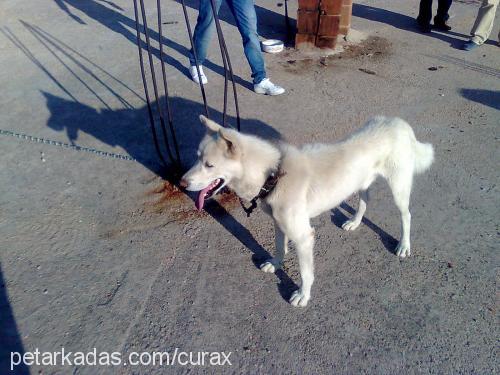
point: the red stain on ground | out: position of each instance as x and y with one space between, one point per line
228 200
184 216
374 47
168 190
169 200
167 196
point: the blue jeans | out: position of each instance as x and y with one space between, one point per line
246 20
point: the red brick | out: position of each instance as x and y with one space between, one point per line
304 41
330 7
320 21
345 16
307 22
328 25
344 30
308 4
326 42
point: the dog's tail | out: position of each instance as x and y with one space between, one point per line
424 156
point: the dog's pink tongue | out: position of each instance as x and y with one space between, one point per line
201 198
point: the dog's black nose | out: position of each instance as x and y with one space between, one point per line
183 183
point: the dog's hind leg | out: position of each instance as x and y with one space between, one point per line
400 184
281 241
356 220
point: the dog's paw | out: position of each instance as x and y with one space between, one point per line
269 266
350 225
403 250
299 299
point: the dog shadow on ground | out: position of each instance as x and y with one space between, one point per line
338 218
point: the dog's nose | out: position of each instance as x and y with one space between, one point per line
183 183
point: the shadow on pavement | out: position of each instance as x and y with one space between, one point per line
111 17
10 339
128 127
489 98
338 218
403 22
70 56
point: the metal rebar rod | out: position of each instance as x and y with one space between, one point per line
229 68
195 55
224 62
165 87
153 80
228 74
144 82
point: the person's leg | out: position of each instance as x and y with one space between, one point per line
203 31
442 12
246 20
425 12
484 22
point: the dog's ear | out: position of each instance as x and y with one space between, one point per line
212 126
231 141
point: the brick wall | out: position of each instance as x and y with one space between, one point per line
320 21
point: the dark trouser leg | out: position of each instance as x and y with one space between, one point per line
442 12
425 12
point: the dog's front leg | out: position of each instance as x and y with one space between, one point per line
281 241
305 244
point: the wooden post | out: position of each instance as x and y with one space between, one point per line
320 21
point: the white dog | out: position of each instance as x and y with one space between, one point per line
296 184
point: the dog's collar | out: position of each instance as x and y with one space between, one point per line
265 190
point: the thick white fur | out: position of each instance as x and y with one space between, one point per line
317 178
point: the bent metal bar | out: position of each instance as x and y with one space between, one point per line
168 137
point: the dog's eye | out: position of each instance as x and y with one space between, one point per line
208 165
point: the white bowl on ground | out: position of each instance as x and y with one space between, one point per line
272 45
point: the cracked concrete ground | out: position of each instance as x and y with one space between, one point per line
101 253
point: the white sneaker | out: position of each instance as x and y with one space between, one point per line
268 88
194 74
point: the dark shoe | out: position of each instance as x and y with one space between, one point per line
442 26
424 27
469 45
